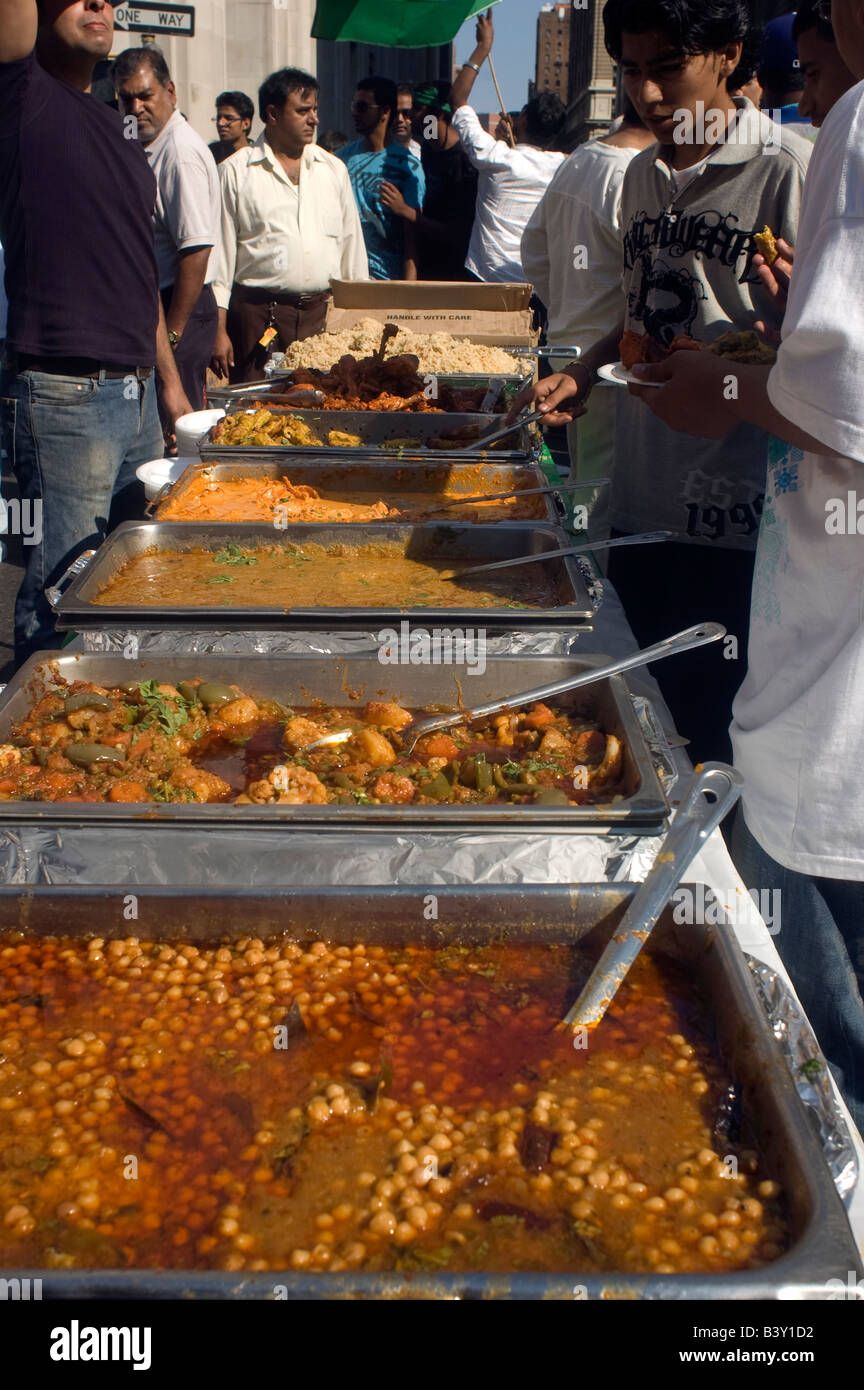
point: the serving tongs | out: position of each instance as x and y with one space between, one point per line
712 795
492 438
644 538
476 499
698 636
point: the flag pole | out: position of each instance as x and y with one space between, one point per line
501 107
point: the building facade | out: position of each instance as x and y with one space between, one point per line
553 51
238 42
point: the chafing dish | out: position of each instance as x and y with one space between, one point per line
375 428
367 482
299 682
822 1245
455 543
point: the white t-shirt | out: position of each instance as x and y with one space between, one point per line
798 721
571 248
510 185
188 206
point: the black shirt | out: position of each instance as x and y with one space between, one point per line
221 149
451 191
76 223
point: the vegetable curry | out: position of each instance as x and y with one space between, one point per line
210 742
379 575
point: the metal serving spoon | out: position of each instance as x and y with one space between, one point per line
518 492
698 636
646 538
488 439
696 818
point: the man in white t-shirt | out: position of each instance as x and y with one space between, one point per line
798 721
187 215
572 253
511 181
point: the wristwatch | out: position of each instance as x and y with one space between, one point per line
469 64
173 338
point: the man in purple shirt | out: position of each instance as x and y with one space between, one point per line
86 327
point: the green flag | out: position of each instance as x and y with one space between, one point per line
394 23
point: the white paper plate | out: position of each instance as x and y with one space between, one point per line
618 375
155 474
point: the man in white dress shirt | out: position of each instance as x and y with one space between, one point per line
511 181
186 218
289 225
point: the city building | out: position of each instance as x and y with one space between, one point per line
553 51
238 42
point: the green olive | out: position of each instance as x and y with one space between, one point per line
86 699
84 754
212 694
41 755
552 796
189 691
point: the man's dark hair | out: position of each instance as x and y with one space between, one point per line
809 18
127 63
692 26
332 140
436 107
382 89
277 88
545 116
239 102
405 90
747 68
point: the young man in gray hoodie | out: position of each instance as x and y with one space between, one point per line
691 208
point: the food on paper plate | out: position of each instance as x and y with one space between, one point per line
158 742
743 346
418 1113
766 245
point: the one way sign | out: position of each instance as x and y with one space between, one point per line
156 19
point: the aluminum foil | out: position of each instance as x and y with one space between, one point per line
215 858
810 1074
201 642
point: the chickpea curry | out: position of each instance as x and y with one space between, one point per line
378 575
317 1107
204 741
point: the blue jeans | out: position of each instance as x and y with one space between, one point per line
821 942
73 442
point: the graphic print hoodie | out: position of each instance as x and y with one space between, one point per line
688 269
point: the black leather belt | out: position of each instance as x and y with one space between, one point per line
294 301
73 366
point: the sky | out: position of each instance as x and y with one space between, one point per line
514 54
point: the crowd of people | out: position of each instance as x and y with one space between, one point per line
135 265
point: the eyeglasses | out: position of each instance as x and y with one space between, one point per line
227 120
823 9
359 108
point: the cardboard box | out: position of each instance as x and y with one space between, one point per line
498 315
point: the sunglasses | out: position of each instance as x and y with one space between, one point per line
360 108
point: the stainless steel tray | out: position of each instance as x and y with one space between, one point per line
300 681
367 481
823 1247
375 428
499 390
458 543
